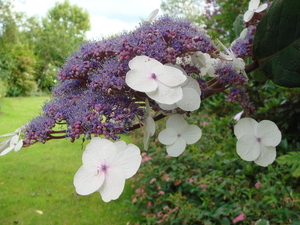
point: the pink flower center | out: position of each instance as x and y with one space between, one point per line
102 168
258 139
153 76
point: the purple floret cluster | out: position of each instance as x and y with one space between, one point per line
92 97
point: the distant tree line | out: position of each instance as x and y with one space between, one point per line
32 48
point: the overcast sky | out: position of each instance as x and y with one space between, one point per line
107 16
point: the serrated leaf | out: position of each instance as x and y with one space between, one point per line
292 159
276 44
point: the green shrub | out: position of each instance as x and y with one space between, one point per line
210 184
3 89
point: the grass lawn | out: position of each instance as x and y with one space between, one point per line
36 183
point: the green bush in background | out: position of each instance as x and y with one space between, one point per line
210 184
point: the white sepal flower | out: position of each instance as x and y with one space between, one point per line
205 62
149 126
238 63
152 15
257 141
191 99
178 134
254 7
105 167
160 82
12 143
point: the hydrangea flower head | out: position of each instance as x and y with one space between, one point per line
103 85
257 141
178 134
254 7
105 167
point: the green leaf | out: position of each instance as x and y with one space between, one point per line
225 221
276 44
292 159
238 25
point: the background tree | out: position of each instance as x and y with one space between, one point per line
32 49
217 15
191 9
56 37
63 29
17 60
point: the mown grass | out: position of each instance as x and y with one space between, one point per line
40 179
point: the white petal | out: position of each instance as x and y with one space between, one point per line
5 144
153 15
150 126
149 130
177 148
168 136
200 58
224 56
7 150
269 133
146 141
245 126
86 181
165 94
248 148
261 8
238 116
190 100
192 134
167 107
192 83
113 185
9 134
177 67
147 109
19 130
253 4
177 122
267 156
211 71
141 80
129 161
170 76
98 151
18 146
248 16
243 34
144 63
120 146
14 140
